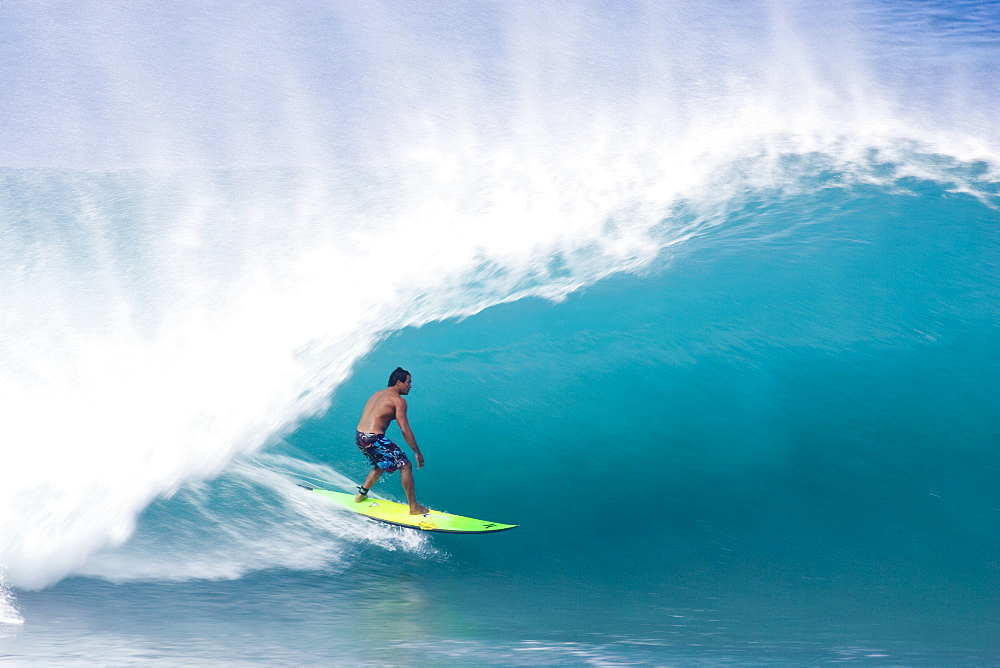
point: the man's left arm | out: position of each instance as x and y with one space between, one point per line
404 426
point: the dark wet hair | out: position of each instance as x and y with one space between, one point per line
398 376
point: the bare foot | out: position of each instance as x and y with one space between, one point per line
360 497
419 510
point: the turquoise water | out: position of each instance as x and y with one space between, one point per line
718 328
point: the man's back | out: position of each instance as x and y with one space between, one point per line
379 411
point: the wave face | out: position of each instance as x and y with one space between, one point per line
212 217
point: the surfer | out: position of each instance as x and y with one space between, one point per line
385 456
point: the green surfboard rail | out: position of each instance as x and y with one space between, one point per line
398 514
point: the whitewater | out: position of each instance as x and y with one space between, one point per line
718 281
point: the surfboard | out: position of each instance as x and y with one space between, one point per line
391 512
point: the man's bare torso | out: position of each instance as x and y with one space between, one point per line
380 411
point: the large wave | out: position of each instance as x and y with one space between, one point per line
211 213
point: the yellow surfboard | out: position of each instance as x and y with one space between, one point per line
391 512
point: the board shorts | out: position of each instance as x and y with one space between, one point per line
380 451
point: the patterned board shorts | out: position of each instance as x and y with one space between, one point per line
380 451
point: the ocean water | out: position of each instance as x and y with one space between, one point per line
705 298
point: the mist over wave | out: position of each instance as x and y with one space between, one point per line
211 213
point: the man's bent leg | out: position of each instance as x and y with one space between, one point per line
406 477
372 478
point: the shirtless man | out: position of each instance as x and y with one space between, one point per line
382 408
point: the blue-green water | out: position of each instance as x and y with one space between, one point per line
723 344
